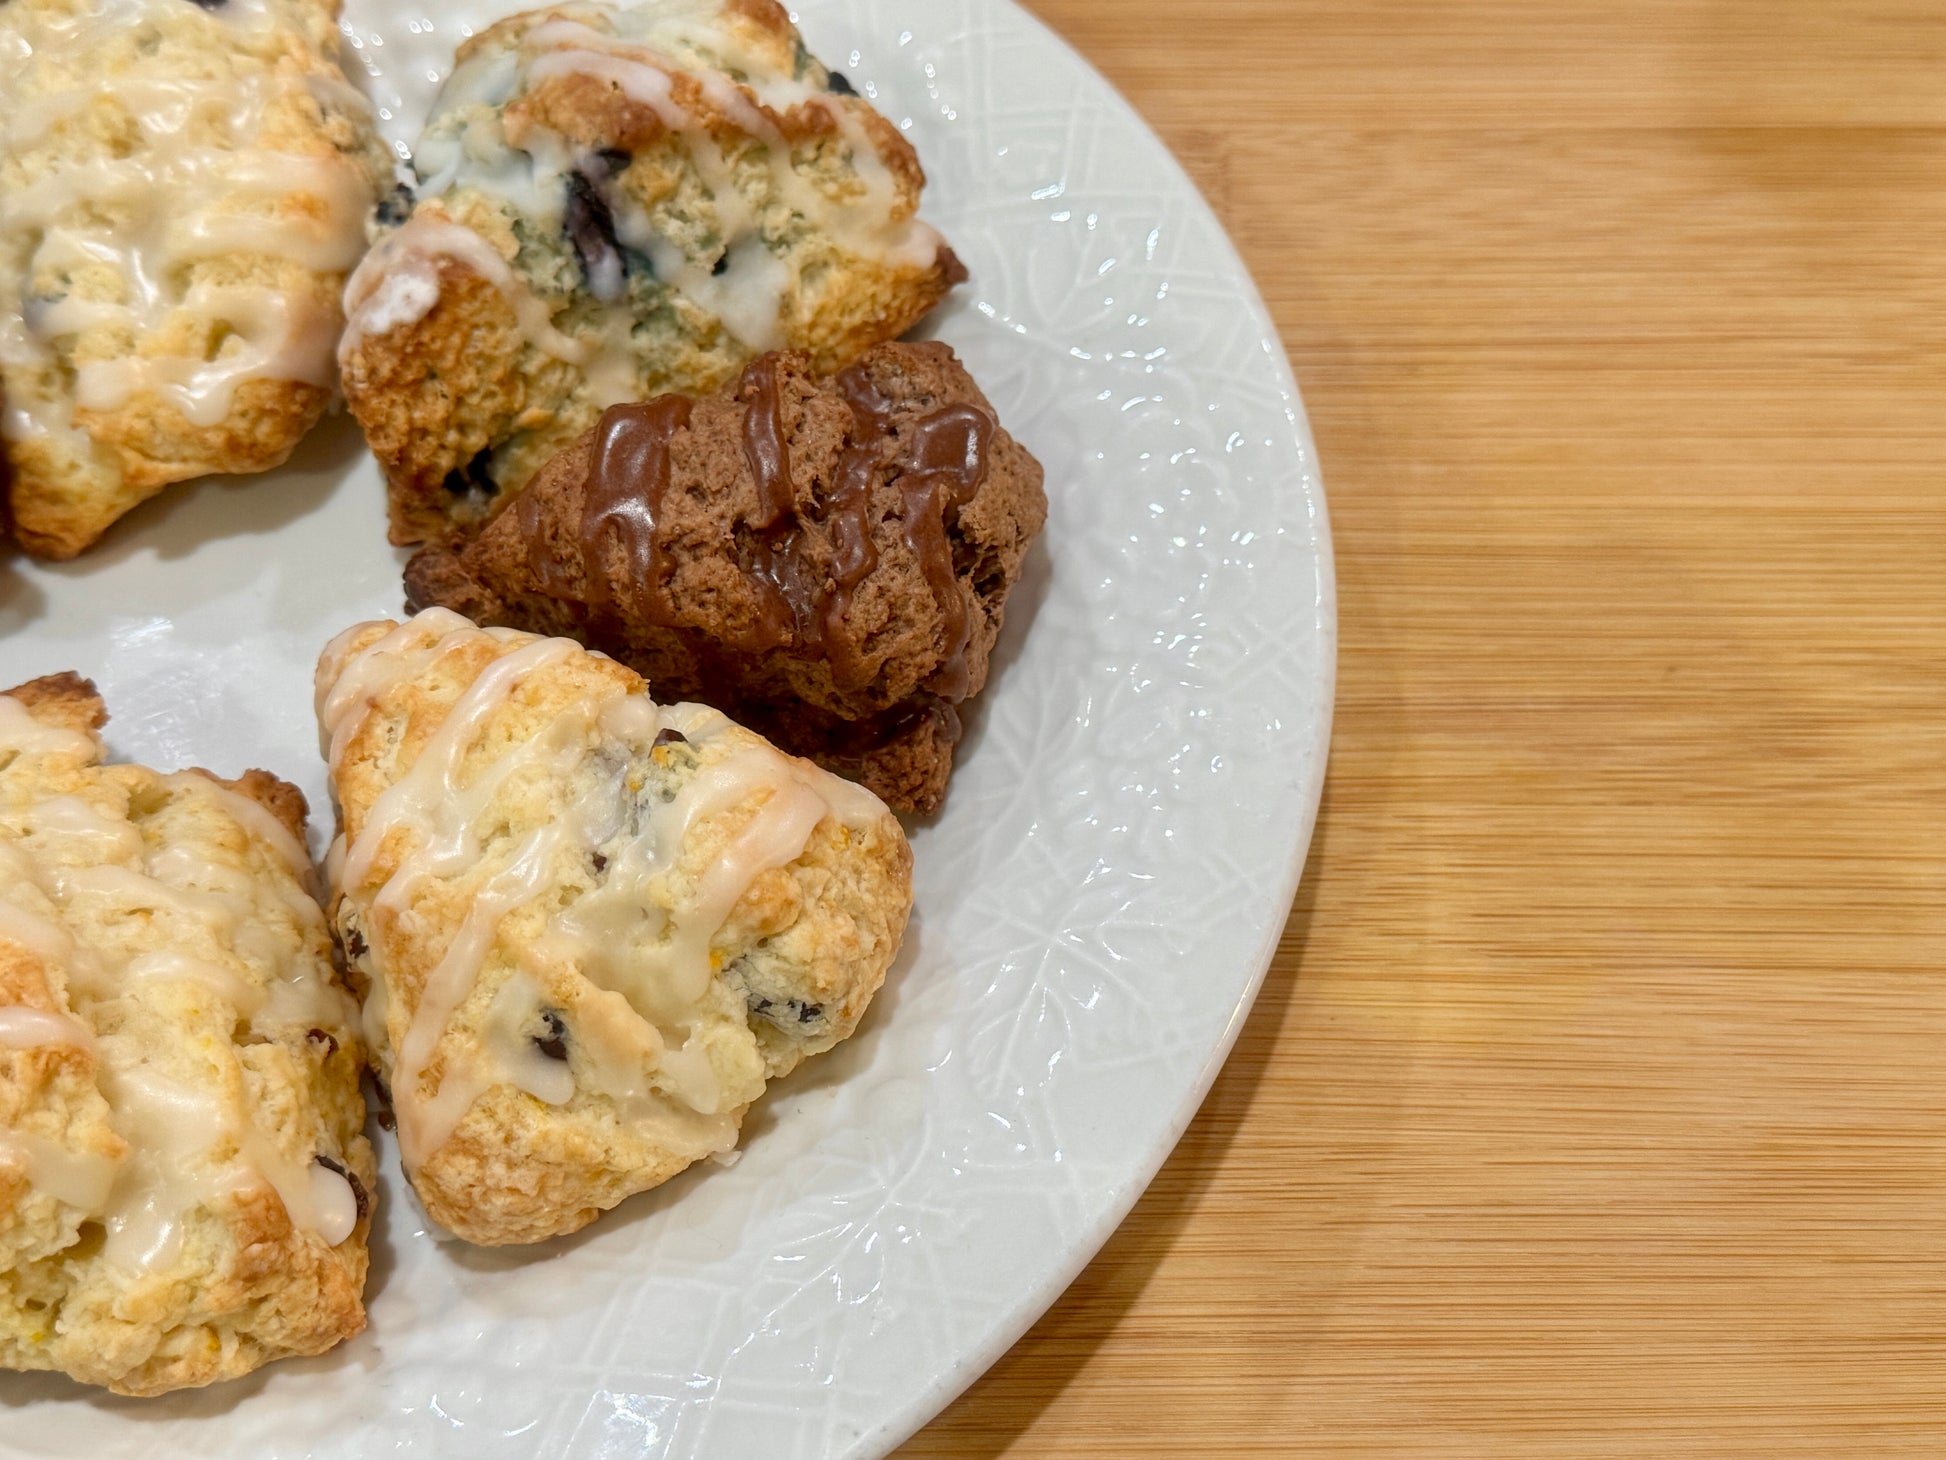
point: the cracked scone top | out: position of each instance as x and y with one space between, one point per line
184 1182
589 928
610 205
184 189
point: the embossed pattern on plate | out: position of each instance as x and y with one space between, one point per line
1096 905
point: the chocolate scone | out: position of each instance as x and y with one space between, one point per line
826 560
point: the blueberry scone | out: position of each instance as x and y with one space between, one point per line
589 928
825 559
184 1182
612 205
184 188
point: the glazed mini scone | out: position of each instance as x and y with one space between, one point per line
589 928
184 1179
611 205
184 189
825 560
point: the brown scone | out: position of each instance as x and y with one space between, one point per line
827 560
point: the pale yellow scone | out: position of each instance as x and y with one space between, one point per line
184 1180
590 928
184 189
613 203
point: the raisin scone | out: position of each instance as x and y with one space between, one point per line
184 189
588 928
825 560
612 204
184 1180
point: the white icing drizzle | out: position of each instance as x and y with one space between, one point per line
73 820
22 734
429 795
346 682
168 966
316 1198
441 819
862 224
195 188
94 870
172 1131
252 815
856 808
306 1000
25 1028
425 1122
642 935
334 1206
138 892
38 935
375 306
78 1178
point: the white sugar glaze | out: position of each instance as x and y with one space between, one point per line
25 1028
80 1178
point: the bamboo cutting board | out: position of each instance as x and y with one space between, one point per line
1596 1102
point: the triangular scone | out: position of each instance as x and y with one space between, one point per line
184 1182
589 928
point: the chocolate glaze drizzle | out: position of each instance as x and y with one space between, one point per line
945 464
803 597
627 480
786 585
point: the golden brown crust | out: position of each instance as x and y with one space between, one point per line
279 797
64 700
59 513
765 15
435 396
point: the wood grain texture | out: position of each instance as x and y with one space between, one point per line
1596 1102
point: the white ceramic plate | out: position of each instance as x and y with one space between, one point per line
1096 905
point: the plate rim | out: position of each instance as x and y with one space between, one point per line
1014 1322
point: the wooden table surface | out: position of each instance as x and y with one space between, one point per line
1596 1101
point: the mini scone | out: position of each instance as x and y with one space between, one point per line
611 205
825 560
184 1182
589 929
184 189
